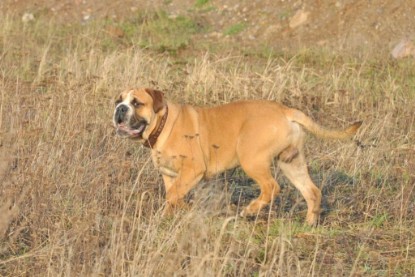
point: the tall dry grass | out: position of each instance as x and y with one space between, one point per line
75 200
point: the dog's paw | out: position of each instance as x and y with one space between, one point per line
312 220
253 208
246 212
167 211
172 209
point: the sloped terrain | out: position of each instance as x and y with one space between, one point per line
363 28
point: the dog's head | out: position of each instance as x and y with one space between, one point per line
136 112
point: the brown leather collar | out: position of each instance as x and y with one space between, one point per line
152 139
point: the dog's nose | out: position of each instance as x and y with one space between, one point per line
120 113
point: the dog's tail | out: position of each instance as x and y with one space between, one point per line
314 128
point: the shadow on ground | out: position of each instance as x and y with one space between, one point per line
232 191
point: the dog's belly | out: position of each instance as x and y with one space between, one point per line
172 164
220 164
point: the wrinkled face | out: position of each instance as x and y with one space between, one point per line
135 112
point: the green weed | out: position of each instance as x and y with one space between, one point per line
171 34
201 3
235 29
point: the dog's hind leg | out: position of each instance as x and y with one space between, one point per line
259 170
296 171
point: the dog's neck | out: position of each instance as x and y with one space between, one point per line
152 138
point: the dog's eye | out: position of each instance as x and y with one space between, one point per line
135 103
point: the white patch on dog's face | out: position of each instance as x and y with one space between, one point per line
127 102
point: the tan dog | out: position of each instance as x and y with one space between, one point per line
189 143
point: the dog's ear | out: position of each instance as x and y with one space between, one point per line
158 99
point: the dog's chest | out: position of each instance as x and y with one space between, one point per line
167 163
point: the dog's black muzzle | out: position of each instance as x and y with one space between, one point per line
120 113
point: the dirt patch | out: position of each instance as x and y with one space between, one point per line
351 26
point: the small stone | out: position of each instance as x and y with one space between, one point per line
403 49
298 19
27 17
115 32
215 35
322 42
272 31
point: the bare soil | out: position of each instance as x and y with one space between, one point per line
363 28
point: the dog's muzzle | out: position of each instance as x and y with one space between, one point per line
120 114
128 126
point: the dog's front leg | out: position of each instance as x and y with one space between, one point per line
177 188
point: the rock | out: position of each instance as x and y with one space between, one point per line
215 35
298 19
27 17
403 49
272 31
322 42
115 32
87 14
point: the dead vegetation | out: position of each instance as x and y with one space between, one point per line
76 200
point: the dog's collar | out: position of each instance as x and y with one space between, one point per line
152 139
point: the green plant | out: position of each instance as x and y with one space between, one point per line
235 29
201 3
379 219
165 33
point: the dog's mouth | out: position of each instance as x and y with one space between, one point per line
135 131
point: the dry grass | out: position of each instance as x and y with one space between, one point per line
77 200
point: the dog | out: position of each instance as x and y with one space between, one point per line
189 143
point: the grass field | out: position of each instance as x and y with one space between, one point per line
75 200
